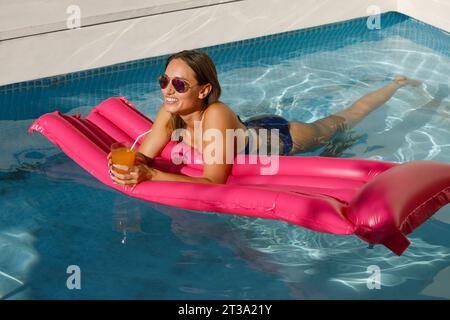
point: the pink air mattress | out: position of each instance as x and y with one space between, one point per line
380 202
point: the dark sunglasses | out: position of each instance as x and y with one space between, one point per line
179 85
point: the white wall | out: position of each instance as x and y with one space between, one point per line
434 12
173 26
27 17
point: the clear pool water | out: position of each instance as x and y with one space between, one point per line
53 214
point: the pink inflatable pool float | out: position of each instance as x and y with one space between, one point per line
380 202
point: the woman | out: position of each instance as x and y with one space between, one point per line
191 93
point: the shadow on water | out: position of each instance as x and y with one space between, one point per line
308 264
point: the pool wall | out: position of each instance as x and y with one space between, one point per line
36 43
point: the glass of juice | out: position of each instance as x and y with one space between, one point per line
122 154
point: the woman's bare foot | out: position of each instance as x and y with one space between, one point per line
403 81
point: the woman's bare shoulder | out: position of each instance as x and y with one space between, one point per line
219 109
219 115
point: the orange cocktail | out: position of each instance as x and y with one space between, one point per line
122 154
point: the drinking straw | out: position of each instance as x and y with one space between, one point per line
137 139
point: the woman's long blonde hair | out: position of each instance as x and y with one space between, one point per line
205 72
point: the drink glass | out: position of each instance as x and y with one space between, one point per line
122 154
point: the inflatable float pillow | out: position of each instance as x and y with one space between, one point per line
380 202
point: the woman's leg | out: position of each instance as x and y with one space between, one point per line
309 136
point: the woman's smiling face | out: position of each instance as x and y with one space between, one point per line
186 102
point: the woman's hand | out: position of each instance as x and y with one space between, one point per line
138 173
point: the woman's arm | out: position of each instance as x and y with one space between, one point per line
158 175
156 139
150 148
218 149
217 120
216 169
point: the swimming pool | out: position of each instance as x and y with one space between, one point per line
55 215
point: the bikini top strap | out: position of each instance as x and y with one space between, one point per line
203 115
